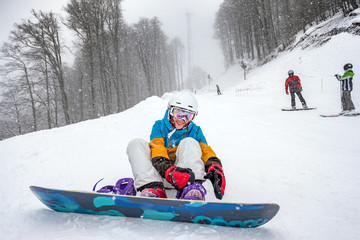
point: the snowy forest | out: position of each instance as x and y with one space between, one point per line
117 65
255 29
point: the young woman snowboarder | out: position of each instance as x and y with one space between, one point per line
177 154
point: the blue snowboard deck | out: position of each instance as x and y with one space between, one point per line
214 213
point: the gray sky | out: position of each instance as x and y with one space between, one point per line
12 11
172 14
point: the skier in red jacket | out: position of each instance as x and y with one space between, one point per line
293 83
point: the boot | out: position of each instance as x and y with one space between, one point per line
153 192
193 192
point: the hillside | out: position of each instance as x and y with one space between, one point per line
307 164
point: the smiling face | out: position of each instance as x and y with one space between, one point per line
181 117
179 123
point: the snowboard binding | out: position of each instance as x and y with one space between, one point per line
124 186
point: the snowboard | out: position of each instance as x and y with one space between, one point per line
297 109
202 212
340 114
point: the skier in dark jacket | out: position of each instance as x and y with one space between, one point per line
346 88
177 154
218 90
293 83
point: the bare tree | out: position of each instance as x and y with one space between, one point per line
43 36
12 109
17 65
80 20
178 51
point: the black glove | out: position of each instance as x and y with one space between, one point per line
161 164
216 175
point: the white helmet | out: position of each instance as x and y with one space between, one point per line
184 100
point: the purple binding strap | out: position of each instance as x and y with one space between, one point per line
124 186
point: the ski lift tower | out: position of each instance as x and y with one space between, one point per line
189 45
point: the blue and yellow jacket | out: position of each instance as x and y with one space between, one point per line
165 138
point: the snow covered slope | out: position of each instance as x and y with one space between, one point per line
307 164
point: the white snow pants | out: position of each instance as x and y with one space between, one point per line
188 155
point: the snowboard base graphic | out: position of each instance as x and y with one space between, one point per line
214 213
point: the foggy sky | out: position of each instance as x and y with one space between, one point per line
171 13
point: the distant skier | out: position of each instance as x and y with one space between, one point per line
293 83
177 154
218 90
346 88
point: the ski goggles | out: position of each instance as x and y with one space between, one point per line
183 114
